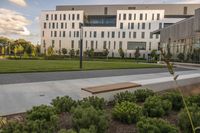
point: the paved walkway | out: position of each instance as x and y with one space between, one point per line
15 98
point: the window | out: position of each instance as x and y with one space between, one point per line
90 34
57 25
114 47
152 16
47 17
109 45
131 8
143 35
55 33
85 33
149 45
102 34
157 36
78 16
143 25
145 16
130 16
123 34
59 44
113 34
64 17
51 16
53 25
92 44
69 17
77 34
108 34
70 33
149 26
121 25
129 34
96 44
72 44
160 25
44 43
138 26
60 34
104 45
151 35
134 34
132 25
53 43
62 25
60 16
141 16
43 33
134 16
124 17
95 34
135 45
185 10
86 42
105 10
73 16
51 33
65 25
119 16
45 25
55 16
158 16
63 33
74 34
128 25
120 44
49 25
73 25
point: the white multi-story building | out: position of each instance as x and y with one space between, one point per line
128 29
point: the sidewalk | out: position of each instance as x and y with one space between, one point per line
16 98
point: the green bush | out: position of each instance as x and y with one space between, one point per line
66 131
175 98
127 112
142 94
155 125
85 117
194 100
13 127
97 103
154 106
63 104
184 122
124 96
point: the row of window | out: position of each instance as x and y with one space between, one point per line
138 25
63 17
60 25
94 45
94 34
142 16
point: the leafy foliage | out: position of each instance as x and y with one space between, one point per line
85 117
72 53
155 125
194 100
96 102
127 112
175 98
64 51
142 94
124 96
181 56
154 106
137 53
63 104
184 122
121 52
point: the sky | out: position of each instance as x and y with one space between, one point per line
20 18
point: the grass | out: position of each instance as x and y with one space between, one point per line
17 66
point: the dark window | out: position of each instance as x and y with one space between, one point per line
57 25
104 45
114 45
95 34
151 35
96 44
85 33
123 34
55 33
131 8
51 16
73 25
152 16
160 25
78 16
149 45
158 16
90 34
62 25
45 25
185 10
72 8
113 34
149 26
119 16
69 17
134 16
119 35
70 33
141 16
138 25
43 33
92 44
53 25
52 43
47 17
102 34
72 44
60 16
55 16
63 33
129 34
143 25
77 34
65 25
130 16
124 17
134 35
105 10
73 16
132 25
121 25
64 17
108 34
157 36
145 16
49 25
120 44
143 35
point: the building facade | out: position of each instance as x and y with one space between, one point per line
182 37
109 27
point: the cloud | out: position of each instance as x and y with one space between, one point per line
19 2
13 23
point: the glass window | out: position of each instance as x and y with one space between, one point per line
145 16
64 17
43 33
63 33
108 34
86 42
85 33
152 16
124 17
143 25
51 16
134 35
78 16
158 16
65 25
55 16
123 34
55 33
132 25
92 44
135 45
149 45
141 16
102 34
130 16
138 26
121 25
62 25
157 36
134 16
77 34
185 10
143 35
53 25
105 10
119 34
160 25
149 26
104 45
95 34
129 34
119 16
47 17
96 44
60 16
109 45
73 25
52 43
73 16
120 44
49 25
113 34
45 25
114 47
72 44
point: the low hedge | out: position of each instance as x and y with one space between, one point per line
124 96
142 94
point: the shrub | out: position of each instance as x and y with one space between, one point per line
155 125
85 117
154 106
142 94
63 104
124 96
127 112
13 127
194 100
67 131
97 103
184 122
175 98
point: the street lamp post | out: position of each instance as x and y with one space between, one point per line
81 46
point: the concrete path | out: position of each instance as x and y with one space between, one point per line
15 98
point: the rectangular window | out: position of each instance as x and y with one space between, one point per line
138 26
124 17
151 35
102 34
113 34
64 17
143 35
132 25
135 45
86 42
73 25
53 43
149 26
129 34
63 33
120 44
73 16
119 16
53 25
70 33
77 34
134 16
62 26
47 17
90 34
72 44
55 16
114 47
157 36
149 45
143 25
108 34
78 16
123 34
51 33
69 17
60 34
158 16
145 16
104 45
134 35
109 45
65 25
92 44
121 25
85 33
43 33
185 10
51 16
95 34
57 25
60 16
141 16
152 16
45 25
160 25
49 25
55 33
128 25
130 16
96 44
105 10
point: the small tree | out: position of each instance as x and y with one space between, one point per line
137 53
77 52
181 57
91 53
20 50
64 51
105 52
121 53
154 55
72 53
50 51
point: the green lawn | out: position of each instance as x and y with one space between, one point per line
11 66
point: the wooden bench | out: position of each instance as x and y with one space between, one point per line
110 87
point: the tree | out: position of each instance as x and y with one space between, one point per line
154 55
37 50
181 56
137 53
50 51
29 49
64 51
77 52
121 53
105 52
91 53
20 50
72 53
